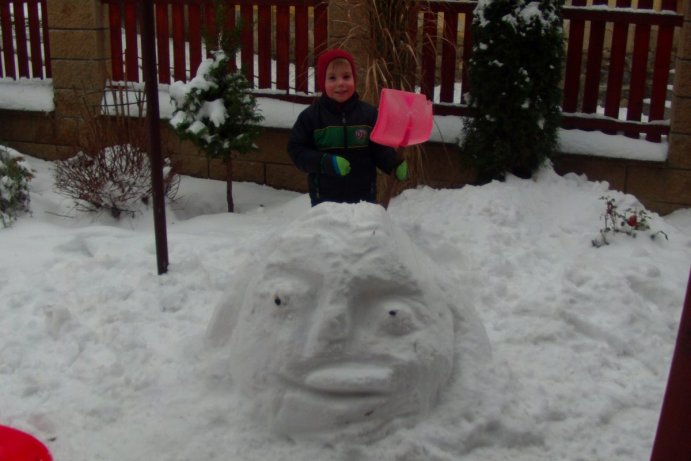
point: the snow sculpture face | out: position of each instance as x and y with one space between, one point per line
341 327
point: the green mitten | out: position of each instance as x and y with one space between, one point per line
335 165
402 171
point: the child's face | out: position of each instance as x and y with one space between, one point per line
340 83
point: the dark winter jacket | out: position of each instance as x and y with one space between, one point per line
327 127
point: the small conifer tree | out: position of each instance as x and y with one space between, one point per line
15 175
515 94
216 109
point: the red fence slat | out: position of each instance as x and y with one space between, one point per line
301 48
114 20
247 52
467 53
231 25
593 68
163 43
448 57
35 39
282 47
21 39
131 43
574 56
615 78
2 73
7 42
639 65
46 40
194 37
663 57
264 45
210 24
429 53
321 33
178 21
412 28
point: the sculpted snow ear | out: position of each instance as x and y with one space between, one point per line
222 323
226 313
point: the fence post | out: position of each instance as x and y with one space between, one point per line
679 154
78 32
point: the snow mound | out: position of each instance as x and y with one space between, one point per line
341 327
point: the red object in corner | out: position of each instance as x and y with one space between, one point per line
673 440
16 445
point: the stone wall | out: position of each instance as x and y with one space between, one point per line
81 66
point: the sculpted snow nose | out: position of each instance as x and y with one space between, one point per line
332 325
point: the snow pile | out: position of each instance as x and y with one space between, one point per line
339 326
103 359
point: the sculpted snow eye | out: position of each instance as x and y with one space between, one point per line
284 301
398 321
285 292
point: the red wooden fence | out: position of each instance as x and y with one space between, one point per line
650 35
452 44
280 39
596 94
275 41
25 51
591 100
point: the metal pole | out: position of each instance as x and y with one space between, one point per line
673 438
153 120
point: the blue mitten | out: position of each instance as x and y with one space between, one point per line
334 165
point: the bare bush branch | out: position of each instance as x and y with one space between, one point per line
111 169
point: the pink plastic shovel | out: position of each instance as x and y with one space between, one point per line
405 119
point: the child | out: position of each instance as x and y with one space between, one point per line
330 139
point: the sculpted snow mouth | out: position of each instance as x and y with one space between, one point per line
348 380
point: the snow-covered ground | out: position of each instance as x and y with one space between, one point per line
102 358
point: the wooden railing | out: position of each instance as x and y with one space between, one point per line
616 75
25 47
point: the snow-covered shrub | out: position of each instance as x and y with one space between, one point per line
15 175
515 95
217 111
116 179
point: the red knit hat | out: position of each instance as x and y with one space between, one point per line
325 59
